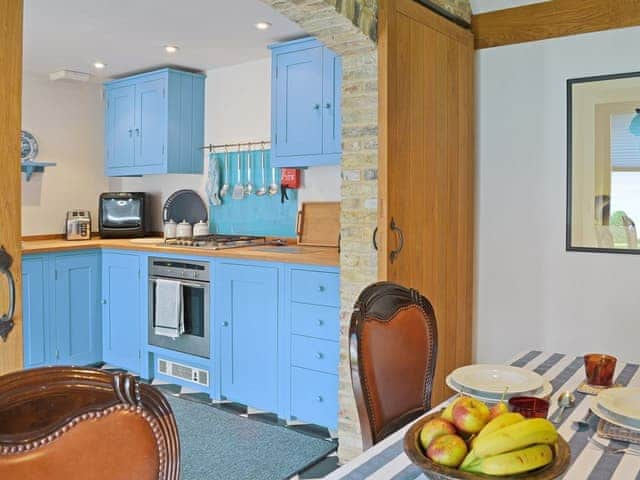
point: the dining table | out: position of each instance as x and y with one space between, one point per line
387 460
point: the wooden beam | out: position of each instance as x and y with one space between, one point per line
557 18
10 201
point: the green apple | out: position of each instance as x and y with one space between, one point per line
448 450
433 429
470 415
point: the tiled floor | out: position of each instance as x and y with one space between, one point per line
316 471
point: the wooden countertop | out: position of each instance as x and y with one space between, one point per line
324 256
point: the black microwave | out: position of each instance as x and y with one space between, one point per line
122 214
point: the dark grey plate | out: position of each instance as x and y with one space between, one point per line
185 205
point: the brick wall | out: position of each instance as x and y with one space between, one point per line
349 27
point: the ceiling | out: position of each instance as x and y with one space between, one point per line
129 36
482 6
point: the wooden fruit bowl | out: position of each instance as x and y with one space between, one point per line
414 451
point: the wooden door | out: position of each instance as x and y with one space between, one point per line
76 311
10 202
426 169
151 122
247 311
298 103
121 310
120 126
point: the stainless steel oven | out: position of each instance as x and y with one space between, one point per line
194 280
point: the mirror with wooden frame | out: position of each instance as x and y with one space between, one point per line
603 181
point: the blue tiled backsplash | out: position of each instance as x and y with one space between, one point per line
253 215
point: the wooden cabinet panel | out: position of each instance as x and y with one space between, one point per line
426 172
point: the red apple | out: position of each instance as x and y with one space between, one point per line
497 410
433 429
470 415
448 450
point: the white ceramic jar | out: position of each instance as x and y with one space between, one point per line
184 230
170 229
201 229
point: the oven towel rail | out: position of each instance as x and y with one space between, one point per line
169 315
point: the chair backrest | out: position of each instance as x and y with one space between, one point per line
393 342
61 423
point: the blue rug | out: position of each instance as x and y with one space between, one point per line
219 445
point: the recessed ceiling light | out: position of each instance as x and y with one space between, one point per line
171 48
99 65
262 25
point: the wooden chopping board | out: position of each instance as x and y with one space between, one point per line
319 224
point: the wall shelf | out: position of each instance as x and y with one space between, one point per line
34 167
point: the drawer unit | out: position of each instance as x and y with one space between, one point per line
318 288
314 397
315 321
316 354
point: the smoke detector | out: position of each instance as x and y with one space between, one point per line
69 75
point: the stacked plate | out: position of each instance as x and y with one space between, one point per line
620 406
490 382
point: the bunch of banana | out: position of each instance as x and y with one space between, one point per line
513 446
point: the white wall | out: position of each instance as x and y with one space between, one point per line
530 292
238 108
67 120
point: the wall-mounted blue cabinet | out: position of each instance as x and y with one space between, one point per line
247 312
122 317
154 123
62 314
305 104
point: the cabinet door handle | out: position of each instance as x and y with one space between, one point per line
316 106
327 105
393 256
225 324
375 241
320 322
130 133
319 356
319 398
321 288
137 132
6 320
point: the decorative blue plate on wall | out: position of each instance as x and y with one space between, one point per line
29 147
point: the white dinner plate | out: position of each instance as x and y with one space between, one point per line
623 401
543 392
613 418
496 379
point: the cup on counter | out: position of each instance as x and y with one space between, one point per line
599 369
529 407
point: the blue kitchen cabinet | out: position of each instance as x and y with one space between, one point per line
61 315
247 313
76 300
313 331
305 104
34 312
122 317
154 123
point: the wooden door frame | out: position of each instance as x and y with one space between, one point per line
11 354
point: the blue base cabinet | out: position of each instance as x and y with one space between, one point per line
154 123
306 86
62 316
34 312
122 316
247 315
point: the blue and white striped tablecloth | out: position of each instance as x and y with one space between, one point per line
387 460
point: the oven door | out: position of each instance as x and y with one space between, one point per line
195 301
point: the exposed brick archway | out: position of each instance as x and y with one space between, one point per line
349 27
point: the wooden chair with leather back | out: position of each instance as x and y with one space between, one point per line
64 423
393 343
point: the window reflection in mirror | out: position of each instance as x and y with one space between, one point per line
604 163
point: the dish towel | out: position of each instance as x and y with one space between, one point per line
169 321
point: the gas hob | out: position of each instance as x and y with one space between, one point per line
215 241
